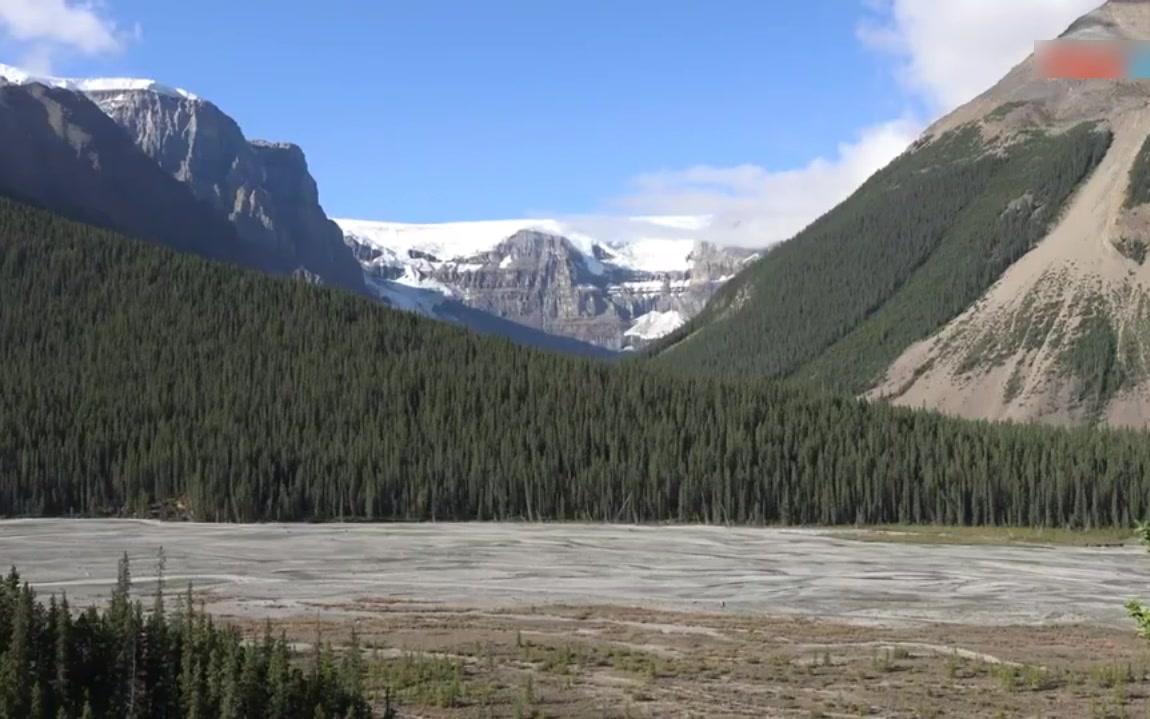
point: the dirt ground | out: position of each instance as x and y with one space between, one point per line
604 661
278 570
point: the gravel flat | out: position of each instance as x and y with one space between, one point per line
277 569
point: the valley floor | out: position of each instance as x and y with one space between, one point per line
584 620
603 661
281 569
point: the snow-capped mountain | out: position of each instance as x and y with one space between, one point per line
584 284
614 282
17 76
263 189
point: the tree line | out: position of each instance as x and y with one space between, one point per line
123 662
138 381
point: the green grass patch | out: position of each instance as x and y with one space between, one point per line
1004 109
424 679
929 534
1138 189
1092 358
1131 249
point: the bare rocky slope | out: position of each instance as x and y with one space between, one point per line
1019 291
162 164
1064 335
59 151
263 188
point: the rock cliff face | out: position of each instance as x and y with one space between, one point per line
179 143
546 280
264 189
59 151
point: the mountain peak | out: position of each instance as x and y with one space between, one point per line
17 76
1118 19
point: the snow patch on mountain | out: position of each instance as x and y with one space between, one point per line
644 244
17 76
654 325
445 241
410 296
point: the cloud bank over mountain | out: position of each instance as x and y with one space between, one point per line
943 53
755 207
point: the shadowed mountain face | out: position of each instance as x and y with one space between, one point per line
172 169
263 188
59 151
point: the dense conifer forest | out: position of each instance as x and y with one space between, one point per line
915 246
136 380
170 661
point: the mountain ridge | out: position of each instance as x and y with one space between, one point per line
562 300
552 275
263 191
264 188
59 151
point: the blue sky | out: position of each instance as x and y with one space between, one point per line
434 110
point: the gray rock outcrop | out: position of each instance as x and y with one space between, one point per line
60 152
264 189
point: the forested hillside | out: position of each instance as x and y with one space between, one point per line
916 245
134 379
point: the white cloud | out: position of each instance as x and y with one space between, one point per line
754 206
44 28
944 51
949 51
